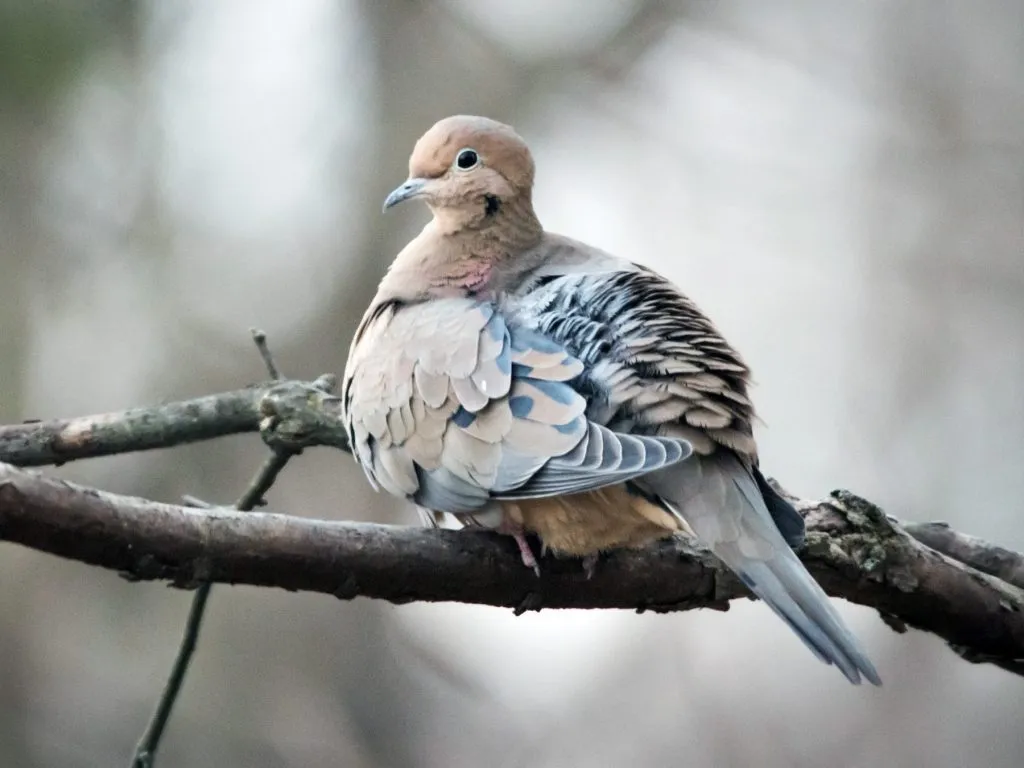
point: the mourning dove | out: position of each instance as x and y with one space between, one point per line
528 382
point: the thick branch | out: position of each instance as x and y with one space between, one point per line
289 413
853 550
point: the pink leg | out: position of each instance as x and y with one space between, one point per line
516 532
527 554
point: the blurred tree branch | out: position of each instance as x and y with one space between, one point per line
854 550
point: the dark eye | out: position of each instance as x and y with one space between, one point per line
466 159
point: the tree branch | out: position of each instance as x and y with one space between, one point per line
853 550
289 413
988 558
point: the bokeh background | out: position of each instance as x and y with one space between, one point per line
840 185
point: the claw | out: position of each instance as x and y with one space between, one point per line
590 564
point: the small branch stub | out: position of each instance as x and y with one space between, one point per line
296 415
260 339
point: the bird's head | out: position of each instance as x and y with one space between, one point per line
467 169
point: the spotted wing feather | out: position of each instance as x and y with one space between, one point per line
451 406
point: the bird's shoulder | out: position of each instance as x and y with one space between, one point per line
442 337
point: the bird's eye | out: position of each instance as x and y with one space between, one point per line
466 159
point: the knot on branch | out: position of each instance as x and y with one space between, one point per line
856 537
298 414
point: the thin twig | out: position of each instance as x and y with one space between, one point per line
260 339
145 751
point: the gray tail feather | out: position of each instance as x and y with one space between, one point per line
791 592
722 502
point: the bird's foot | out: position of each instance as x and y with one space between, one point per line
515 530
529 560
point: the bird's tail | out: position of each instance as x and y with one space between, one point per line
721 501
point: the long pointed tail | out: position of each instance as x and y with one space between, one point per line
721 501
789 590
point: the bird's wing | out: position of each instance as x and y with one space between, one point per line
655 361
451 406
654 364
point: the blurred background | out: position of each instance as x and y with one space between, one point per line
839 185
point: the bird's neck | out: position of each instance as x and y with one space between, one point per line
464 253
508 224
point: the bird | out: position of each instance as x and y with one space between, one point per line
523 381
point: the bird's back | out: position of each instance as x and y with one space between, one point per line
653 362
